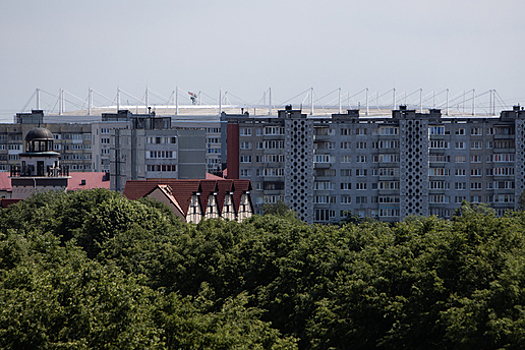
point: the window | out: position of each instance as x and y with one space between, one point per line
346 186
475 159
438 172
360 186
476 145
245 172
245 159
459 199
161 154
503 171
346 172
324 199
388 199
361 145
503 158
388 185
438 158
346 159
438 144
360 172
346 145
246 145
460 159
461 172
475 186
436 130
475 172
360 132
476 131
324 214
438 198
361 200
490 131
389 212
506 185
388 131
273 130
346 199
246 132
324 185
475 199
346 132
460 145
386 158
269 172
323 158
439 185
162 168
460 131
460 186
387 144
360 159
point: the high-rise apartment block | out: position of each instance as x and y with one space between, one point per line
409 163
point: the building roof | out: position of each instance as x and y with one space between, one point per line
6 202
39 134
182 190
91 180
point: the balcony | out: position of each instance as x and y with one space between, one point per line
29 171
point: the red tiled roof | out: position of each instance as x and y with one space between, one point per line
182 190
5 202
5 183
93 180
213 177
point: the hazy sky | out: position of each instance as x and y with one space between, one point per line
245 47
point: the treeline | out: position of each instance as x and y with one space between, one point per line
91 269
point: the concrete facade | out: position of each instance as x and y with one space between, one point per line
383 167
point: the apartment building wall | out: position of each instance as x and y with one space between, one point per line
150 149
72 140
384 167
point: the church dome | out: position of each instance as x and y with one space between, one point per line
39 134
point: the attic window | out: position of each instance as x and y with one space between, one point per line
83 182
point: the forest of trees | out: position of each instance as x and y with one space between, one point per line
93 270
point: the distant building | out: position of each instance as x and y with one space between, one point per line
150 148
194 200
40 169
383 167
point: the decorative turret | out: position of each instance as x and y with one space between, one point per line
39 167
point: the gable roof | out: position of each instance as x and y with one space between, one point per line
182 190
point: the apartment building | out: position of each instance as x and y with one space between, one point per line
409 163
150 149
72 141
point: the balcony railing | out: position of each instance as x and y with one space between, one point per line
60 171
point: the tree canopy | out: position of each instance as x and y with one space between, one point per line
91 269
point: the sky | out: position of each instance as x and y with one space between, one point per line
246 47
